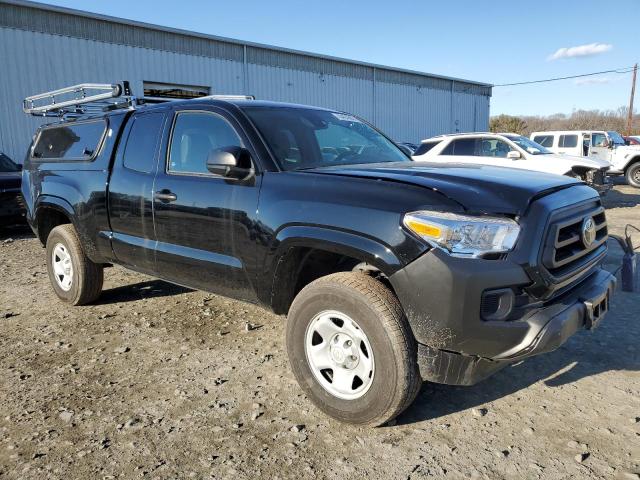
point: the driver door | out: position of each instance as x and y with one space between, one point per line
599 146
204 222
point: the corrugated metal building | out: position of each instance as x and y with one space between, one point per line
43 47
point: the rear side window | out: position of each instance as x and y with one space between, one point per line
465 146
142 144
425 147
71 141
544 140
568 141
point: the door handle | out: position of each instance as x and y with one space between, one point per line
165 196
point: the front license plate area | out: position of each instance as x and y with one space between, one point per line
595 310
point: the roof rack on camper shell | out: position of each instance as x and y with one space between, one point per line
95 98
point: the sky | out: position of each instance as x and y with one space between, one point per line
492 41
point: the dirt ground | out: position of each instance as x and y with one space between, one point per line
157 381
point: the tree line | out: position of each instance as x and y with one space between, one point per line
615 120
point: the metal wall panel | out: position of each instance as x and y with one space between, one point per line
410 114
44 49
38 62
352 95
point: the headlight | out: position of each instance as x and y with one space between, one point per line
464 235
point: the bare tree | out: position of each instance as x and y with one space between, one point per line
578 120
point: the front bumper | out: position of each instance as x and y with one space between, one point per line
441 296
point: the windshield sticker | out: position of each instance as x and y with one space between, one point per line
343 117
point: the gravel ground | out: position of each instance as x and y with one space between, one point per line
157 381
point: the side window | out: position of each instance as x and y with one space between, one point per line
425 147
598 140
142 143
568 141
493 148
544 140
194 135
71 141
463 146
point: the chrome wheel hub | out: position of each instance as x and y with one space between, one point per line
62 266
339 355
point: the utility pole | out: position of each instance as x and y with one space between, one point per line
633 91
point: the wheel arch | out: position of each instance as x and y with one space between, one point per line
51 211
305 253
635 160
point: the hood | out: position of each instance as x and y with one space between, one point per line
625 149
10 181
568 161
478 188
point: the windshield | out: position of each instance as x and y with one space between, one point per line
303 138
528 145
616 138
7 165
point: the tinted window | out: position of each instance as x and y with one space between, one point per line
140 151
491 147
544 140
309 138
464 146
568 141
194 136
425 147
79 141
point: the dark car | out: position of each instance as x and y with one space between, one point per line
411 147
389 271
11 205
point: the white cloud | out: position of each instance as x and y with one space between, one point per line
581 51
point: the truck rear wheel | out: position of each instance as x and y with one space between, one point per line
351 349
633 175
75 279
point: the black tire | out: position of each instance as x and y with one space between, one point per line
87 277
378 313
633 175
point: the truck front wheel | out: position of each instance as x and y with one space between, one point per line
633 175
351 349
75 279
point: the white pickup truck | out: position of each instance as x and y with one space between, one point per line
600 144
514 151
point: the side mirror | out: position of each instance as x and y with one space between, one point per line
230 162
514 155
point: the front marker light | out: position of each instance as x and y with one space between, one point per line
464 235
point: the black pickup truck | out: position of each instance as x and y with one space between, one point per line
389 271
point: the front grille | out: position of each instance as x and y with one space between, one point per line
599 176
566 253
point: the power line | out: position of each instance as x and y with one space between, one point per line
618 70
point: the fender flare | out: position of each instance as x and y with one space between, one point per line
282 262
338 241
632 161
55 203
